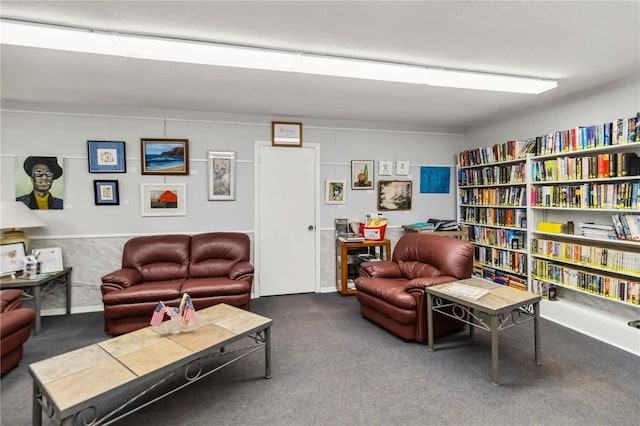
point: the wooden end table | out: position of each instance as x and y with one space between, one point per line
504 307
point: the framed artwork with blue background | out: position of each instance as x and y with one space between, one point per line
435 180
106 157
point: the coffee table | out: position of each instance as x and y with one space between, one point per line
70 385
502 308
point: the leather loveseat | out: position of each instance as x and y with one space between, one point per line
15 328
213 268
391 293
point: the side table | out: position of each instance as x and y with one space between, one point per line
61 277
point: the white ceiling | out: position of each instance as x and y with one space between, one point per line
580 44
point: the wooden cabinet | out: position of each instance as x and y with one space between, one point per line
349 256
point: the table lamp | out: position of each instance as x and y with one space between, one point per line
16 214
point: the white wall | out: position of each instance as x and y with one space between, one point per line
92 236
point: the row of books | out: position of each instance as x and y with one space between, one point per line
622 195
509 260
506 151
615 288
627 226
491 175
505 238
502 196
599 166
594 230
499 277
544 289
614 260
622 131
516 218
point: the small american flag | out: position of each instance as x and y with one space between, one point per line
158 314
189 312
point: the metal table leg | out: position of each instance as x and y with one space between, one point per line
495 373
267 353
430 322
67 279
472 327
36 415
36 301
536 332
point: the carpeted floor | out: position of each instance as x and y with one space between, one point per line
332 367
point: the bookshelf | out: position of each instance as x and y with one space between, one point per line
492 202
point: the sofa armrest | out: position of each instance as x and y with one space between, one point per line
241 270
10 299
15 320
418 284
122 278
382 269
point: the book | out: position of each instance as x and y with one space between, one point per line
467 291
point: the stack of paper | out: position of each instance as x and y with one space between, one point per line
467 291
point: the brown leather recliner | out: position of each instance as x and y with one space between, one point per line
15 328
391 293
213 268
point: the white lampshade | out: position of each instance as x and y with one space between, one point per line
15 214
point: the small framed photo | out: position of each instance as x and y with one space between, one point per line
384 168
394 194
286 134
106 192
362 174
402 168
50 259
164 156
335 192
164 199
12 258
106 157
222 175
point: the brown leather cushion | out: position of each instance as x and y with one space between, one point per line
145 292
214 253
390 290
215 286
158 257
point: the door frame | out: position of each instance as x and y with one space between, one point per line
256 237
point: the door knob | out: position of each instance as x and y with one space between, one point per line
311 227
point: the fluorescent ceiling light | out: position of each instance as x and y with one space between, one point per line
186 51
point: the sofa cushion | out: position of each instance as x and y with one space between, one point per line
214 286
389 290
414 269
158 257
152 291
213 254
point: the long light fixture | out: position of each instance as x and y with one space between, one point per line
175 50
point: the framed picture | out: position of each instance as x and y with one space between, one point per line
106 193
435 180
222 175
384 168
106 157
286 134
394 194
335 191
164 199
12 258
402 168
164 156
50 259
362 174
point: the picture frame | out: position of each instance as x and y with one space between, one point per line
384 168
164 156
402 168
222 175
11 258
106 193
286 134
362 174
435 180
106 157
50 259
335 191
163 199
395 194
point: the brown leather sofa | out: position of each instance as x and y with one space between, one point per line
391 293
213 268
15 328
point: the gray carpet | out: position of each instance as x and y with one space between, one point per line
332 367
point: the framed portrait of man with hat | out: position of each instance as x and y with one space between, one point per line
39 182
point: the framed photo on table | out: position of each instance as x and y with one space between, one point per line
106 192
286 134
394 194
106 157
163 199
164 156
12 256
362 174
222 175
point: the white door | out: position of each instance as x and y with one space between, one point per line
287 206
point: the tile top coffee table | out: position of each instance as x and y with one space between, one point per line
71 384
502 308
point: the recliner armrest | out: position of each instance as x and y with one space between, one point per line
124 277
421 282
10 299
241 270
15 320
383 269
